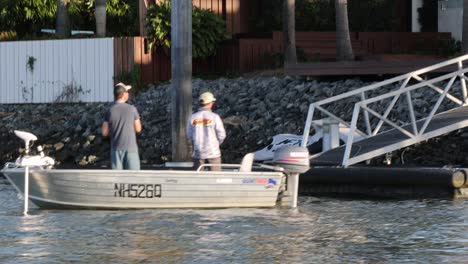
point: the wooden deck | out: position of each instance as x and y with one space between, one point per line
379 65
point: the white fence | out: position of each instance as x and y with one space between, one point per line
76 70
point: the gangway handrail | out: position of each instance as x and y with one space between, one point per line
404 88
363 104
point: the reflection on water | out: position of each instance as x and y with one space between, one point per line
321 231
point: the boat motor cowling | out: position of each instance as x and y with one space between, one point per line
292 159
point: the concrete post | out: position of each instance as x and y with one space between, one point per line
331 134
181 61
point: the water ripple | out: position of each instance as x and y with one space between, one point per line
319 231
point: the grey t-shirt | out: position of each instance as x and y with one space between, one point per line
121 118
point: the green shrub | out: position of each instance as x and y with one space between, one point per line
269 60
208 29
449 47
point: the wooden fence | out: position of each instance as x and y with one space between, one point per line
156 66
86 69
252 53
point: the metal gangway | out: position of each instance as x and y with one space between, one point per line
432 106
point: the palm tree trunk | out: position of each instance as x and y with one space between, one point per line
465 27
344 50
62 26
100 14
289 32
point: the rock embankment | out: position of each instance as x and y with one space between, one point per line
253 110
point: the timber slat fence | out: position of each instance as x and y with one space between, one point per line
86 69
249 53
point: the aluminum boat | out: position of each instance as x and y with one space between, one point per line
236 185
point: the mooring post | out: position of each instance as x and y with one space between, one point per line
331 134
181 70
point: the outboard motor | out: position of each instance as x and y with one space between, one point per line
292 159
26 161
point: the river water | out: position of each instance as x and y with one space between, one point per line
321 230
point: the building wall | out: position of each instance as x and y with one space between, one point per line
450 14
56 70
415 26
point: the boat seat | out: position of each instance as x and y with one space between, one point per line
247 161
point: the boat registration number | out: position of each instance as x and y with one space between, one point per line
135 190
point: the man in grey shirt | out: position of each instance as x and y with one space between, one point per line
121 123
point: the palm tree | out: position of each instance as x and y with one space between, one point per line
62 26
465 27
100 14
344 50
289 32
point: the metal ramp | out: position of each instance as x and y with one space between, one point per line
432 108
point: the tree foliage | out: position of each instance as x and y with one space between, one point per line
208 29
319 15
427 16
122 16
28 17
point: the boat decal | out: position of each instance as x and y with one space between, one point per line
293 159
171 181
137 190
223 180
271 183
261 181
249 180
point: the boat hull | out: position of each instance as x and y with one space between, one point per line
126 189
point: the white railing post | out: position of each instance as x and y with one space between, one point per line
366 116
310 115
411 113
349 141
463 83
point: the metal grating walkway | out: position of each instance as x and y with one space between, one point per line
393 139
